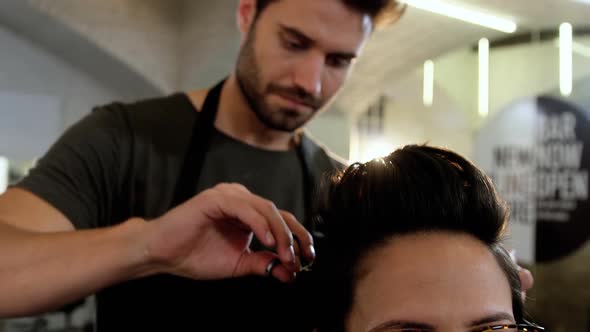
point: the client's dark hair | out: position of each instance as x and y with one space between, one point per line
415 189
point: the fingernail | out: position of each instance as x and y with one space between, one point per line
292 251
311 251
270 240
512 254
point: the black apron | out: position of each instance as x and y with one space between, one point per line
171 303
199 145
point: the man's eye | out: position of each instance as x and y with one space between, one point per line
293 45
338 62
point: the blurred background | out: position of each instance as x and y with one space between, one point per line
504 82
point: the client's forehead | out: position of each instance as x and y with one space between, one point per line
430 277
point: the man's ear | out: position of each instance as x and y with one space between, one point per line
245 15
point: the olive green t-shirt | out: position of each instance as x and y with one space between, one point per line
124 160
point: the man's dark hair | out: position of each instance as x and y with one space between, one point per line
416 189
382 12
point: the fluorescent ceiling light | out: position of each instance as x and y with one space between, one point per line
464 14
3 174
484 77
565 59
428 96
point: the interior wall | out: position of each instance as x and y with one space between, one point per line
209 42
141 33
27 69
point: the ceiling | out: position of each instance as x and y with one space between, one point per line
421 35
154 53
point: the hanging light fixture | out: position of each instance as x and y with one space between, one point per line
428 93
484 77
565 59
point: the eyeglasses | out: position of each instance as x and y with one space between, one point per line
529 327
512 328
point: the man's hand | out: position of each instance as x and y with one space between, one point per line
526 277
208 237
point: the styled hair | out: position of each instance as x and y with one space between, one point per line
382 12
416 189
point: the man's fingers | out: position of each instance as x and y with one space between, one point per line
278 227
235 202
526 279
274 228
526 282
302 237
263 263
248 216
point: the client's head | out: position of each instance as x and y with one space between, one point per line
412 240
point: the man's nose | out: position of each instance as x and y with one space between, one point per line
308 75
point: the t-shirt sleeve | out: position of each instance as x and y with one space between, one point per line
81 173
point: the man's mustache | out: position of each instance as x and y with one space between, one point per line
297 94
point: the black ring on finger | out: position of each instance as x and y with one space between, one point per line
270 266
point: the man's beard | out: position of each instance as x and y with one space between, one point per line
249 81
